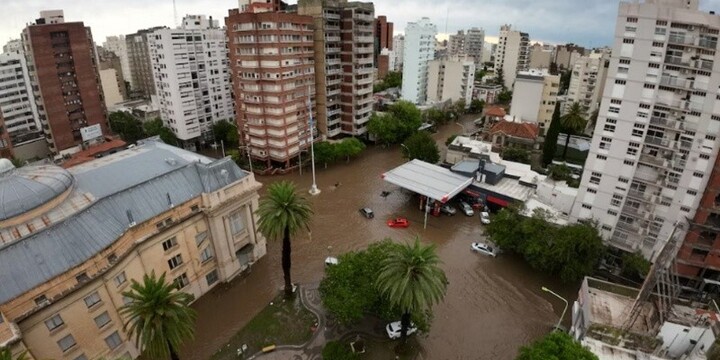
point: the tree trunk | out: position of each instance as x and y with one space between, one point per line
286 262
567 142
173 354
404 325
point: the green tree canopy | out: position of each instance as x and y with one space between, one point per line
573 122
634 266
385 128
555 346
421 146
505 97
6 354
550 144
392 79
409 116
402 120
226 132
336 350
500 77
349 147
325 153
127 126
437 116
156 127
516 154
158 316
476 106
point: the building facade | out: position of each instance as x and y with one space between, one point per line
534 97
397 53
587 81
17 104
419 48
111 77
566 55
512 54
383 35
540 56
97 226
190 70
655 141
62 62
451 80
118 46
273 77
142 82
470 43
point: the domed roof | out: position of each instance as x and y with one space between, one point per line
28 187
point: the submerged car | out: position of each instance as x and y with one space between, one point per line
485 217
398 223
467 209
448 209
330 261
393 329
367 212
484 249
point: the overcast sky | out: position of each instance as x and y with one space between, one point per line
586 22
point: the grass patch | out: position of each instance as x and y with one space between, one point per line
283 322
391 349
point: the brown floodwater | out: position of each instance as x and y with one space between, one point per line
492 307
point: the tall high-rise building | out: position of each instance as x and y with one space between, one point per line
541 56
566 55
273 78
66 86
111 77
117 45
470 43
344 64
383 34
656 138
450 79
397 53
190 70
419 48
587 81
141 73
534 97
17 104
13 45
512 54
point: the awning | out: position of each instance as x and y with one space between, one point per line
498 201
435 182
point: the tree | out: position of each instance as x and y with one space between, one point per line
564 81
500 77
459 107
592 120
127 126
421 146
476 106
385 128
282 213
556 346
408 116
156 127
391 80
504 97
436 116
411 279
336 350
450 139
158 316
572 122
226 132
516 154
504 229
6 354
325 153
634 266
550 145
349 147
576 251
553 68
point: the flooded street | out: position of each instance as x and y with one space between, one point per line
492 307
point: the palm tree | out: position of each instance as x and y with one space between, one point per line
573 122
158 316
6 354
282 213
412 280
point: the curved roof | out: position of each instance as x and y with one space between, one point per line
28 187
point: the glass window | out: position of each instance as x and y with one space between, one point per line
181 281
113 341
169 243
120 279
206 254
102 319
66 343
92 299
211 277
54 322
236 222
175 261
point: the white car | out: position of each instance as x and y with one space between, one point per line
330 261
467 209
393 329
485 217
484 249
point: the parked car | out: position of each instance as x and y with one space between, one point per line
393 329
466 208
330 261
485 217
367 212
398 223
448 209
484 249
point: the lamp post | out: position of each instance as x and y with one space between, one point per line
313 189
407 149
561 298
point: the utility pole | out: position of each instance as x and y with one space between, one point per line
313 189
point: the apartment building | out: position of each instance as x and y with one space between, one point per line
118 46
141 77
566 55
383 35
13 45
17 103
112 77
587 81
655 143
534 97
397 53
450 80
512 54
93 228
62 62
273 77
541 56
419 48
470 43
344 64
190 70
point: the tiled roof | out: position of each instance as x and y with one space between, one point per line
516 129
495 111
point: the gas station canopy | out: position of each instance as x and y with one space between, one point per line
435 182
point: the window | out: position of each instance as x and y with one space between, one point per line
710 137
631 152
608 127
625 61
615 202
41 300
113 341
605 143
645 106
126 300
169 243
592 191
620 82
595 178
654 65
120 279
211 277
102 320
601 157
66 343
181 281
649 86
612 212
54 322
629 162
637 132
623 180
206 254
614 109
684 209
586 206
92 299
236 223
634 144
175 261
632 19
200 237
606 227
698 174
658 44
611 121
194 208
616 101
628 41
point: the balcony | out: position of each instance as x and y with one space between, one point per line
681 40
364 17
331 16
676 61
332 39
364 70
363 39
334 82
332 112
657 141
675 82
365 81
364 91
651 160
632 228
707 43
332 50
366 100
365 50
333 92
333 61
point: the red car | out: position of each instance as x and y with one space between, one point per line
398 223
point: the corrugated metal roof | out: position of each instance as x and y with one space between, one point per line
433 181
138 180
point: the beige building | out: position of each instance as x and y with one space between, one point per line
450 80
587 81
534 97
87 231
540 56
512 54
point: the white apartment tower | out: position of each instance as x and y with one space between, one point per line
470 43
397 52
190 71
17 107
512 54
534 97
419 48
656 136
450 79
117 45
587 81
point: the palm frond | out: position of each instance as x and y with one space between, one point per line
283 208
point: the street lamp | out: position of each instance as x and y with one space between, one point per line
561 298
406 149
